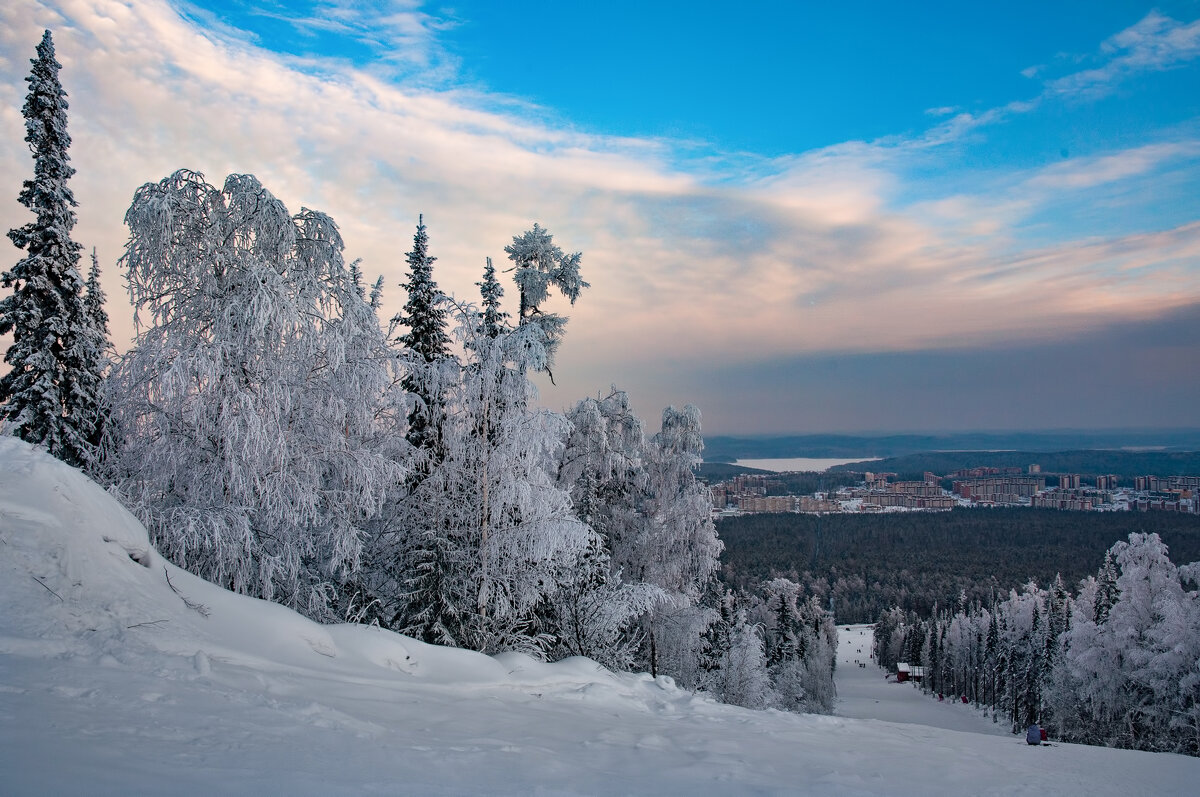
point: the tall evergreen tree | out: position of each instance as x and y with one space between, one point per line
51 394
425 311
98 318
1106 589
94 300
495 320
425 317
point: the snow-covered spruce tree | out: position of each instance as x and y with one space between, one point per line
410 568
493 320
801 647
540 264
51 394
94 302
426 558
253 436
426 340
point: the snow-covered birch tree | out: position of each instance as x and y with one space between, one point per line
505 534
255 431
677 548
602 466
1132 677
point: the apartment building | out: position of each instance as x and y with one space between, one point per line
1009 490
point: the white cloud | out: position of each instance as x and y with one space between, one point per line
1089 172
1155 43
805 253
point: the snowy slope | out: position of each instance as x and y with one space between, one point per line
864 693
111 684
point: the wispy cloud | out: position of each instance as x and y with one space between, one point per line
1081 173
1155 43
386 37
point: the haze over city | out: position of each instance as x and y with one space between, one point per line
944 217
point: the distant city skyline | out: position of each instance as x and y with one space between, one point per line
933 218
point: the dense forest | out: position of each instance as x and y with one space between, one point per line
915 560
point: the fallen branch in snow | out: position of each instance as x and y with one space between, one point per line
198 608
148 622
52 592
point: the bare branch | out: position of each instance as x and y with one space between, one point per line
198 608
148 622
52 592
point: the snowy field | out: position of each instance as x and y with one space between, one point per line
120 674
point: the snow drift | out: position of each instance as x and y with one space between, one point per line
122 674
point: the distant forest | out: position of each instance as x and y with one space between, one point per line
916 559
1125 464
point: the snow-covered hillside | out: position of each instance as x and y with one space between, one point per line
121 674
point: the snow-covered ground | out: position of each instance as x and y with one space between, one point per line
121 674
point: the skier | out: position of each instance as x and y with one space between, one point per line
1033 735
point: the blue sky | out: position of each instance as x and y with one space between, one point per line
798 216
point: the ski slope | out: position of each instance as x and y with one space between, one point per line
863 693
121 674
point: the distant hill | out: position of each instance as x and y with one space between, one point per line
720 471
1125 464
719 448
